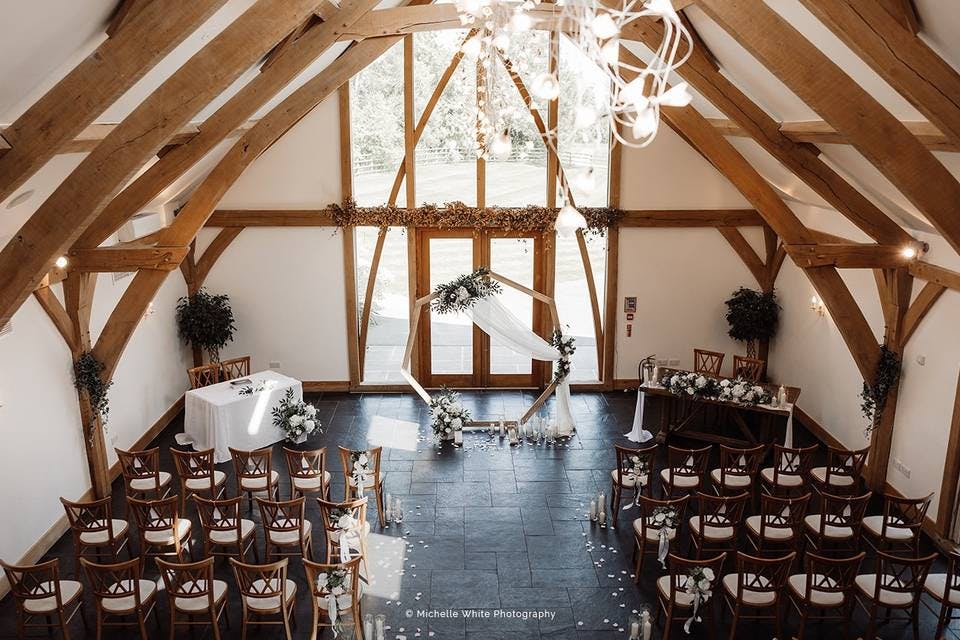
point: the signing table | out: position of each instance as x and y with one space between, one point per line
219 416
678 413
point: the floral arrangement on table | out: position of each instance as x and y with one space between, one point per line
296 418
250 389
447 414
697 385
699 586
566 346
334 585
463 292
665 520
743 392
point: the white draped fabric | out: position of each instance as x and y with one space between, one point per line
498 321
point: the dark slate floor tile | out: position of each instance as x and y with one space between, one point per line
464 590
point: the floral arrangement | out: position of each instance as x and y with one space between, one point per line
88 377
295 418
342 519
665 518
740 391
699 585
447 414
334 585
360 469
639 468
566 346
743 392
463 291
249 389
873 398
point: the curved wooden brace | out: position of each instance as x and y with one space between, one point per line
368 296
746 253
58 315
594 298
210 256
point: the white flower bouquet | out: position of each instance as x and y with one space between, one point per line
566 346
743 392
335 596
296 418
447 414
699 585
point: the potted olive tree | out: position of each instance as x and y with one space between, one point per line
206 322
752 316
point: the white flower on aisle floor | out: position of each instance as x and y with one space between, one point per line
447 414
295 418
699 585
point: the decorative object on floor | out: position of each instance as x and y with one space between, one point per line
752 315
295 418
88 378
447 415
206 321
874 395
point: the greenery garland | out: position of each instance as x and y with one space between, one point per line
566 346
88 378
873 398
463 291
457 214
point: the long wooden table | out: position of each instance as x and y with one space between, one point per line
679 413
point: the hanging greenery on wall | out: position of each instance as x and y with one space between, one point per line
456 214
88 378
752 315
206 321
873 398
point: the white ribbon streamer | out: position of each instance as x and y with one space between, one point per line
694 617
664 549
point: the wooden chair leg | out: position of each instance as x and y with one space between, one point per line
736 619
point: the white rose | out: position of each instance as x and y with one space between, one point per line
701 382
362 459
322 579
456 407
311 410
708 574
309 425
296 420
724 383
456 423
345 521
447 430
463 294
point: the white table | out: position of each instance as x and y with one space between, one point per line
218 417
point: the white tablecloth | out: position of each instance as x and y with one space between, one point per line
218 417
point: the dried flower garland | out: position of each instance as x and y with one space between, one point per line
457 214
463 291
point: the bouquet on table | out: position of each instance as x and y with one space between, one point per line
295 418
447 415
743 392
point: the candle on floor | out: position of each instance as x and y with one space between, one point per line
647 625
368 626
593 511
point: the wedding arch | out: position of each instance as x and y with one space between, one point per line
492 317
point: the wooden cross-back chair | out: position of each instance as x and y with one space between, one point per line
331 514
944 588
900 524
716 527
756 587
790 470
685 470
43 600
308 472
676 602
779 523
748 368
824 592
646 530
738 469
234 368
142 476
633 476
349 612
254 474
373 479
265 591
120 593
223 528
896 584
838 524
285 528
204 375
708 362
842 472
198 475
193 593
162 531
96 533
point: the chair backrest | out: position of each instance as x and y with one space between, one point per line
252 465
331 514
141 465
160 516
762 575
792 461
349 458
34 582
115 581
306 464
901 574
684 569
740 463
188 580
904 513
708 362
782 514
235 368
748 368
261 580
635 462
650 507
952 585
687 462
220 516
93 517
204 375
721 511
321 577
282 517
195 465
842 511
845 462
831 575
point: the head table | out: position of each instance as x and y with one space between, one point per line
219 416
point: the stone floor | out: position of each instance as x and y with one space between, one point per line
490 531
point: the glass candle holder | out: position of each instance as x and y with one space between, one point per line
380 623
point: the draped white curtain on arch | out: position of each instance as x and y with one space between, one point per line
498 321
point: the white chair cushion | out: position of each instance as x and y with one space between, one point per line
820 473
201 484
629 479
683 482
874 524
783 480
771 533
284 538
367 480
652 534
230 537
711 532
731 480
127 603
683 599
202 603
266 604
750 598
102 537
311 483
166 536
830 531
149 484
936 586
68 591
826 599
867 584
258 484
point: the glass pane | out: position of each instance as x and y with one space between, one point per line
451 335
376 127
573 300
586 147
513 258
390 311
446 160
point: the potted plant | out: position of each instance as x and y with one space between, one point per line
752 316
206 321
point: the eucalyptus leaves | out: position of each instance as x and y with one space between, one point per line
88 377
463 292
565 345
873 398
295 418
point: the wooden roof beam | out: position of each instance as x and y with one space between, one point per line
692 218
122 259
933 273
847 256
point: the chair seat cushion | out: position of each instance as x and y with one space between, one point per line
867 584
367 480
715 531
731 479
167 535
651 533
285 538
874 524
201 603
149 484
127 603
936 586
751 598
820 475
680 481
681 598
103 537
629 479
202 484
230 537
769 532
270 603
783 479
309 484
69 590
798 584
259 483
830 531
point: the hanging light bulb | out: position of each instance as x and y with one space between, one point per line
603 26
585 181
501 145
662 7
501 41
610 51
568 221
521 22
471 48
645 124
633 94
546 86
61 262
676 96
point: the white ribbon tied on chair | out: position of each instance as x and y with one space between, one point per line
664 546
695 617
499 322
